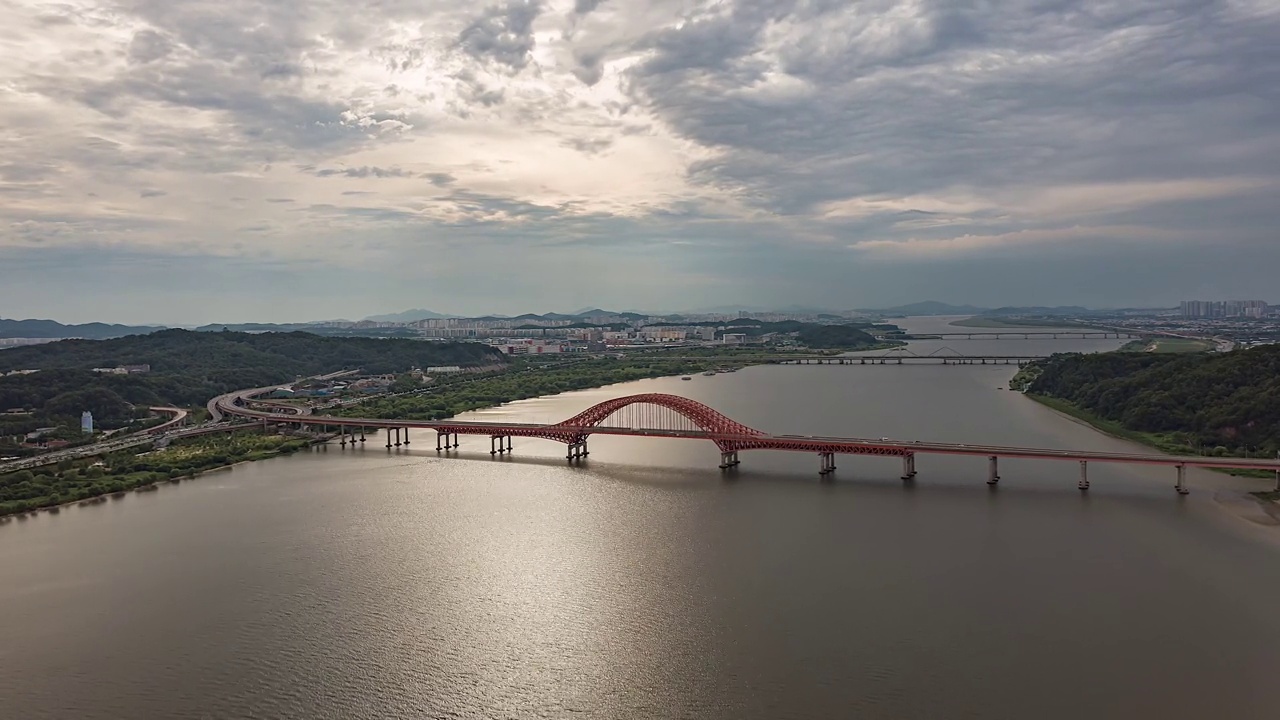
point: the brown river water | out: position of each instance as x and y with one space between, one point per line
368 583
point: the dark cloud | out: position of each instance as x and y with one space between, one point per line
503 33
582 7
148 46
440 179
589 145
364 171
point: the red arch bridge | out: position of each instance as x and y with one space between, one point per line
672 416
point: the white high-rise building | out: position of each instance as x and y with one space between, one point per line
86 422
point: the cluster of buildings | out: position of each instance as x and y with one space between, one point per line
580 328
19 342
1208 309
124 370
597 340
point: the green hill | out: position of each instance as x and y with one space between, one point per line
188 368
1229 400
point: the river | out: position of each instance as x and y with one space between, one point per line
364 583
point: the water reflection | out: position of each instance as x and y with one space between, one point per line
646 583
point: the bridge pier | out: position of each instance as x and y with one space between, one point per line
388 438
361 435
342 435
909 466
993 470
499 450
406 436
1181 485
728 459
828 463
577 450
1084 475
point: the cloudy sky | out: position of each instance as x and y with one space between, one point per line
224 160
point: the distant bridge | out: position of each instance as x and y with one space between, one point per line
671 416
1033 335
905 356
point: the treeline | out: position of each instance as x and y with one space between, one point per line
220 354
1229 400
834 337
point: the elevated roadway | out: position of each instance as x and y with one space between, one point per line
671 416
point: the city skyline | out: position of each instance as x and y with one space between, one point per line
282 162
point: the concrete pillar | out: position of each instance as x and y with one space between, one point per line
362 434
406 436
508 443
909 466
438 436
388 438
1181 485
827 462
397 437
342 435
1084 475
492 449
993 470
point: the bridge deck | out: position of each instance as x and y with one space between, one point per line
763 441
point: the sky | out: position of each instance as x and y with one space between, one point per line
191 161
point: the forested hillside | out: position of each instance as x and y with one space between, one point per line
1230 400
188 368
232 355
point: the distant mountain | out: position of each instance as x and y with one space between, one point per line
54 329
1068 310
407 316
253 327
929 307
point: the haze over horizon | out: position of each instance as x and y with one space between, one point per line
193 162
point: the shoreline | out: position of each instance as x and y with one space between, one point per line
1229 500
144 488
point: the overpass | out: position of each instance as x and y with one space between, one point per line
671 416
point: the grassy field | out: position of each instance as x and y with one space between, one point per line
1168 345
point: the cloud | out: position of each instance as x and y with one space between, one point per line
758 142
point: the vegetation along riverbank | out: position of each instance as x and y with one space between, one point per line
93 479
1180 403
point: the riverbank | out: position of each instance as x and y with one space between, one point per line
93 480
1163 443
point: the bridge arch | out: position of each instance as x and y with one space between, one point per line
632 409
